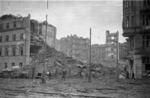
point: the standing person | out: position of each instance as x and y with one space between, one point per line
64 74
126 72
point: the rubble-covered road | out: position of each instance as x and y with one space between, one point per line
74 88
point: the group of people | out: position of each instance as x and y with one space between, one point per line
63 74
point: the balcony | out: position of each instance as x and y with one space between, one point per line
128 31
127 11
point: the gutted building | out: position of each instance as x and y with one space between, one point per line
74 46
21 38
111 45
136 27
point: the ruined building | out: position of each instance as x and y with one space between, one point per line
21 38
136 27
111 45
98 53
76 47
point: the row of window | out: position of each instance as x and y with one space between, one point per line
14 37
13 49
12 64
146 2
8 25
145 41
128 4
128 21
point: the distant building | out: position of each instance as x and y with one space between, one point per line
74 46
21 38
98 53
136 27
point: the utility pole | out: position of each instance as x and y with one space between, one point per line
45 46
117 54
89 79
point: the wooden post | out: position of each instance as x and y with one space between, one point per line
89 79
117 54
45 46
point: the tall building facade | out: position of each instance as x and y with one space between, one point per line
14 42
136 27
76 47
20 39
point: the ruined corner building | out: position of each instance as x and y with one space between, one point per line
21 38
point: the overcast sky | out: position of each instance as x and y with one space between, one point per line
72 16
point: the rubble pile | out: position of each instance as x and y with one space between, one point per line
57 62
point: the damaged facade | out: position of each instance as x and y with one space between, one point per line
111 45
97 53
136 27
21 38
76 47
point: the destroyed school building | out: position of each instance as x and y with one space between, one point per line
78 48
21 38
136 29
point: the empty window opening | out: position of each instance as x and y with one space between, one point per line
6 66
14 50
146 40
14 24
14 37
13 64
7 38
21 50
0 51
7 26
0 38
20 64
6 51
